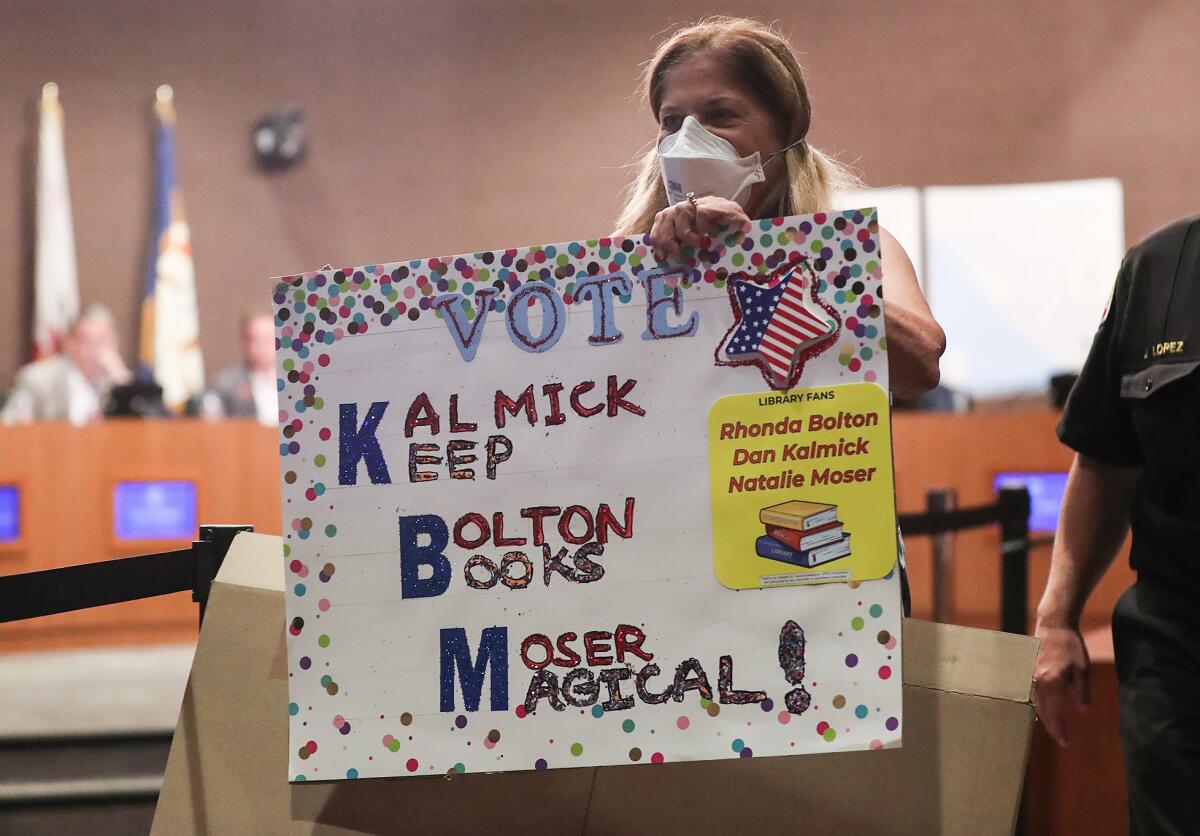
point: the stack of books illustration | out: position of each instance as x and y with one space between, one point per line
802 533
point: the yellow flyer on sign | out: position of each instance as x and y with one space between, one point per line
801 485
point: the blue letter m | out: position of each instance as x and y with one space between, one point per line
456 653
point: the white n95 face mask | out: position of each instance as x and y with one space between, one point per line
695 160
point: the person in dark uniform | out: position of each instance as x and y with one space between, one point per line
1133 419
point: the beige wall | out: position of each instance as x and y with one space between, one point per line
448 126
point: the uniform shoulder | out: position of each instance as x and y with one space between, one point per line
1156 258
1166 240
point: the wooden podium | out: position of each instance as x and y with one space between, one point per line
967 729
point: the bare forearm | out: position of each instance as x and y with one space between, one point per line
915 345
1091 530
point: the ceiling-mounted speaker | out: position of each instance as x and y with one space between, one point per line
280 139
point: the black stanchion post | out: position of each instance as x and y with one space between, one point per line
210 551
1014 579
1014 560
937 502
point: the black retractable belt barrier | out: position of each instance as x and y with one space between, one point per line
35 594
1011 513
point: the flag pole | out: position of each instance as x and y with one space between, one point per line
170 327
164 106
55 280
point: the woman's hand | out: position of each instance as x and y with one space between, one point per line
686 223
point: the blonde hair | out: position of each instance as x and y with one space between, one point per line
763 61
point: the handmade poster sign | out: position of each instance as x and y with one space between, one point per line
566 506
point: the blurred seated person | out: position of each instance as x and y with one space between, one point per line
74 384
247 390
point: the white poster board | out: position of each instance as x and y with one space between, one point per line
563 506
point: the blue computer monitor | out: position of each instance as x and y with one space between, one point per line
163 510
10 513
1046 491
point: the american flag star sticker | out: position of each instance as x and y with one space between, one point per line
775 324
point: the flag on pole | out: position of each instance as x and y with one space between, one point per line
170 344
55 281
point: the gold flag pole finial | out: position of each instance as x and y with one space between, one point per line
50 104
164 102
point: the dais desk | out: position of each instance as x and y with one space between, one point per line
67 476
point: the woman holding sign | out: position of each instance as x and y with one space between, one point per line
733 113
